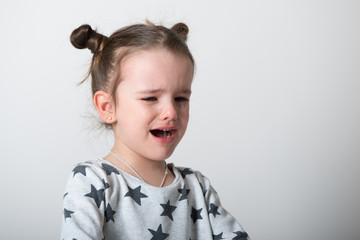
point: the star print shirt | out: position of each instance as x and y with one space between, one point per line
103 202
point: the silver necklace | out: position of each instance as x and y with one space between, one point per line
162 182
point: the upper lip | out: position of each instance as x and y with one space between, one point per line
167 128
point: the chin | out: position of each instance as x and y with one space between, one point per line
162 156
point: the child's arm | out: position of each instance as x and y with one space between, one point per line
223 224
83 205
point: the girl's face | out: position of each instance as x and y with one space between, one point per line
152 104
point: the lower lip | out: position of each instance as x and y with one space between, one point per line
165 140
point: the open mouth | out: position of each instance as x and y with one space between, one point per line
163 133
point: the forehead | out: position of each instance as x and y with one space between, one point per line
157 68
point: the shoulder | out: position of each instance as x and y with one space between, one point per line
96 172
187 172
193 177
95 167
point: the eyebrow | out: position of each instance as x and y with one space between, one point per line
152 91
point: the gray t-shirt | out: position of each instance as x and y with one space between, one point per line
103 202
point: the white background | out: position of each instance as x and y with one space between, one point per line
274 115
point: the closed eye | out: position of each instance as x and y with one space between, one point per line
181 99
149 99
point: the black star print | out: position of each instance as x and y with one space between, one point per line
195 214
97 195
136 194
158 234
217 237
185 172
109 169
168 210
214 210
67 213
109 213
80 169
240 235
65 195
184 193
105 184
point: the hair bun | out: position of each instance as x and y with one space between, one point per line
85 37
181 29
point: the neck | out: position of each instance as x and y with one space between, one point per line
150 171
138 162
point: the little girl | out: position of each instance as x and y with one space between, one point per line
141 83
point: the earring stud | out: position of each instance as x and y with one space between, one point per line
109 118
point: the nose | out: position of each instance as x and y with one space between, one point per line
168 112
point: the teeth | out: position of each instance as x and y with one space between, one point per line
163 133
166 134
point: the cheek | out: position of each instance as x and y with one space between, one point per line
136 115
184 115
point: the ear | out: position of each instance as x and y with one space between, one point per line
105 107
